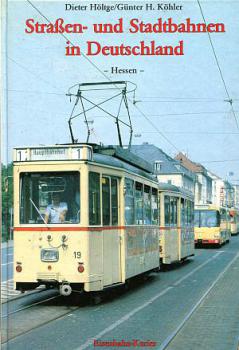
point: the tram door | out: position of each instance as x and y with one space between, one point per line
111 235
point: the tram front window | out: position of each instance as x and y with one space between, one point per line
206 218
50 198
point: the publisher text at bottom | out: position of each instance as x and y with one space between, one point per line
124 343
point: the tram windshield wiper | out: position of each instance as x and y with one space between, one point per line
38 211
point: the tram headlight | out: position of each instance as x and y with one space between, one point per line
19 268
49 255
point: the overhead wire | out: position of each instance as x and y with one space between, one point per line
181 98
106 77
194 132
172 101
218 161
219 68
36 92
136 107
30 72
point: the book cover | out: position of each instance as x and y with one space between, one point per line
158 78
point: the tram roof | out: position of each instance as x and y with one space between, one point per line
168 187
118 163
113 156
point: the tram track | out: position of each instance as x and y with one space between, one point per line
28 306
58 307
133 312
186 319
14 318
23 320
9 298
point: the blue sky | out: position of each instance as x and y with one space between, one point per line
39 75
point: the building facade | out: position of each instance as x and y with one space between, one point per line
223 192
203 181
167 169
236 196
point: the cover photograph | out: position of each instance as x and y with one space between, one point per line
120 175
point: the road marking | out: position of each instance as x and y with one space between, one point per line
172 336
90 341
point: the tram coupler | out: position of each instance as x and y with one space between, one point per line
65 289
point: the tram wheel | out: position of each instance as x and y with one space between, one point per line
126 286
96 299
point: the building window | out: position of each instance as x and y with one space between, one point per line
158 166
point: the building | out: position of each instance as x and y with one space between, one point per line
223 192
167 169
203 181
236 196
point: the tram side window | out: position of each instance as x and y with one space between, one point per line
188 212
192 212
197 218
129 202
176 211
94 199
106 200
173 211
110 200
114 201
147 205
167 210
182 212
155 206
139 203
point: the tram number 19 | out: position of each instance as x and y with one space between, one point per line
77 255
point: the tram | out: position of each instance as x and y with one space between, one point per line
86 217
212 225
234 215
176 224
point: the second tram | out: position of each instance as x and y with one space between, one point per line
176 224
212 225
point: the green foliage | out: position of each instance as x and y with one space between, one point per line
7 198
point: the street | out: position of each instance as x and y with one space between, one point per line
194 305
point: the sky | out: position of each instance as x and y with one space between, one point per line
180 100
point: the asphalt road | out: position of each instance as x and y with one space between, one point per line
191 306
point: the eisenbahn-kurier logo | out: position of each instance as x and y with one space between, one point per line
124 343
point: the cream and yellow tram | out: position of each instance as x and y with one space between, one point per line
234 215
176 224
84 219
212 225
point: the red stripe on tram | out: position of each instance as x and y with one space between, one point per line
69 228
169 228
